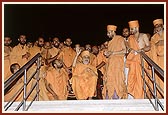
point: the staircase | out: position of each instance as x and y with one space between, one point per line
90 106
86 106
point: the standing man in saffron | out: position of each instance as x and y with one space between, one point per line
20 53
137 42
157 50
7 60
115 64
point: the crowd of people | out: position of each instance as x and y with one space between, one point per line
111 70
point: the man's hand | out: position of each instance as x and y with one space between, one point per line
107 53
134 52
78 51
138 51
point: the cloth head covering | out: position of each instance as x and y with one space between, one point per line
85 53
158 21
133 24
111 27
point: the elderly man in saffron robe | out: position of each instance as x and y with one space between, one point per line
84 79
157 49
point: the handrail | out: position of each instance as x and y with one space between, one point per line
152 63
155 69
17 75
23 71
13 98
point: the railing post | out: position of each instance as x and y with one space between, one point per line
37 78
24 91
143 77
154 87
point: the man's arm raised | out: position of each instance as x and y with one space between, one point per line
75 59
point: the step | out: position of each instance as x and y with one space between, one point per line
83 106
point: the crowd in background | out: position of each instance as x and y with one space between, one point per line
111 70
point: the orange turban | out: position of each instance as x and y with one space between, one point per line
157 21
85 53
133 24
111 27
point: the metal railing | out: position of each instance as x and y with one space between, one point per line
156 71
36 59
8 84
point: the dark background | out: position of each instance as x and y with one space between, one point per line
83 23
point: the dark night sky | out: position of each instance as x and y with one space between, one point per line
83 23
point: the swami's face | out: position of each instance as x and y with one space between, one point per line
85 60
